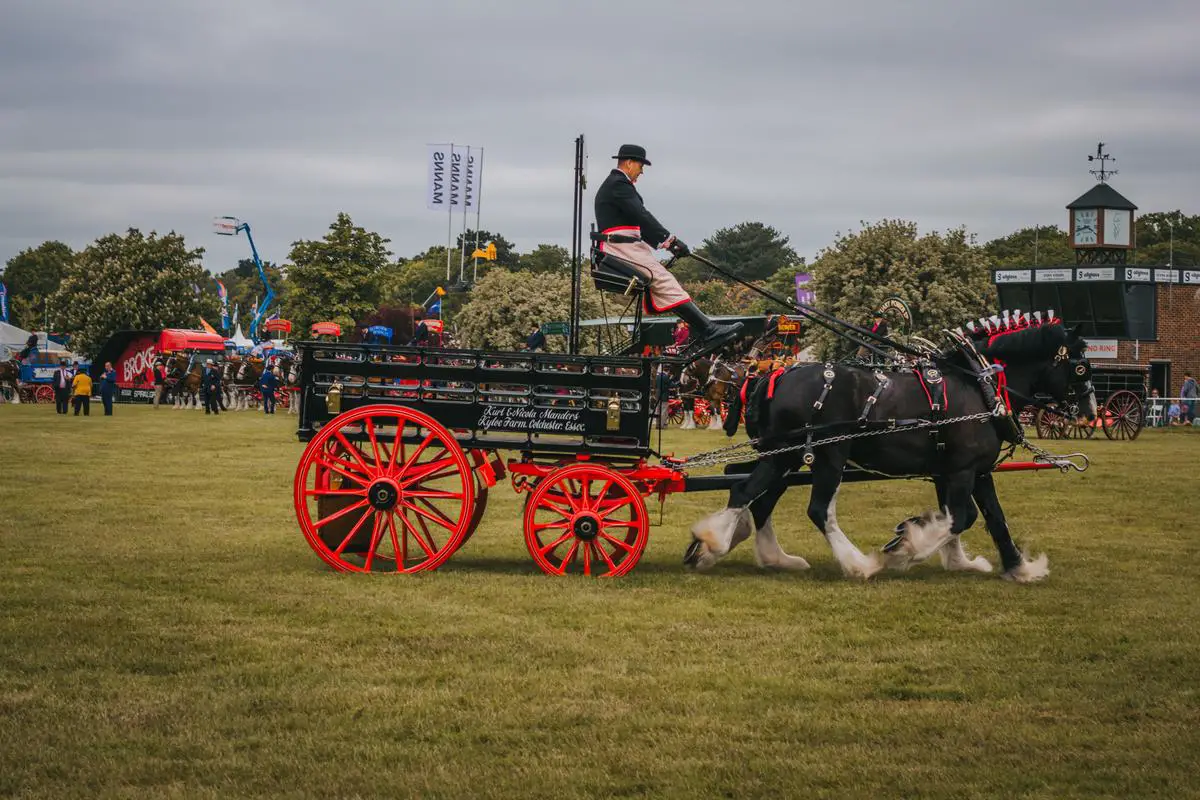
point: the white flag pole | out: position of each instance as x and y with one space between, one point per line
478 209
449 211
462 249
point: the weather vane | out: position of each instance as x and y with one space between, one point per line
1102 157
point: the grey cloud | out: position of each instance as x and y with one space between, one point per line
809 116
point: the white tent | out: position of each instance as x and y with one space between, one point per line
239 339
13 336
12 339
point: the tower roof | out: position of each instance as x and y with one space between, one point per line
1102 196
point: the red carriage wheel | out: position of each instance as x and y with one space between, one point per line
586 518
1122 415
43 394
369 501
675 412
701 413
1049 424
282 398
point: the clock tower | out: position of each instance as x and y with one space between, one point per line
1101 220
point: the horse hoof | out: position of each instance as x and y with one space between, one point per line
692 556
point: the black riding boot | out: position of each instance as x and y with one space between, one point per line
705 332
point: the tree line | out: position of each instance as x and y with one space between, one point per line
350 276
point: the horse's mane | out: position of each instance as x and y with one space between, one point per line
1016 335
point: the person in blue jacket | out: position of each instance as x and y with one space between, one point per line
108 387
267 385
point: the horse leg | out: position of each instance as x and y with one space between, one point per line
767 552
918 538
689 424
715 423
717 534
954 557
1016 566
822 510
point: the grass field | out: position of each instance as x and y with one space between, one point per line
166 632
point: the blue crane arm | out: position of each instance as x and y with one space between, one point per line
268 293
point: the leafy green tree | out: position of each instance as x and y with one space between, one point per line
505 305
751 250
1167 237
335 278
546 258
411 282
1040 246
130 282
506 251
32 276
945 279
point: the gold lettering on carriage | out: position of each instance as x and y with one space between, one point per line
522 418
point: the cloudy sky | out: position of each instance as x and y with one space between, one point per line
809 116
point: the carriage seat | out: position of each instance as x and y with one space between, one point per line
615 274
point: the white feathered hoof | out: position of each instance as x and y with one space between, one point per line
716 535
689 424
715 423
955 558
769 555
1029 571
917 538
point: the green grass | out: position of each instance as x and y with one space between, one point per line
166 632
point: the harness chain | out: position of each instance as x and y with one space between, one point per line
742 450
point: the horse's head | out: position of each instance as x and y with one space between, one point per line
1046 359
241 371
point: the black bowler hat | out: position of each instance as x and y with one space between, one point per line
634 151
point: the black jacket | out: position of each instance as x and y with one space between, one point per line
536 341
618 204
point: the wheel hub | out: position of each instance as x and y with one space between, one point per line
383 494
586 527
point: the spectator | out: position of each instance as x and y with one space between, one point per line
536 340
1173 413
267 385
62 387
1188 393
81 387
160 382
108 387
1156 411
681 334
210 379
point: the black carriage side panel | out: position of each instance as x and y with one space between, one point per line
536 402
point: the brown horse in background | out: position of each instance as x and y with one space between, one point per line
10 372
709 380
185 373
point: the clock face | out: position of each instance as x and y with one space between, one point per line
1116 227
1085 226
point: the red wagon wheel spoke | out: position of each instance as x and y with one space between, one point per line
408 492
586 519
354 531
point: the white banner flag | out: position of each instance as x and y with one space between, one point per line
438 194
471 179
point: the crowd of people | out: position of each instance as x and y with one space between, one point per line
1173 412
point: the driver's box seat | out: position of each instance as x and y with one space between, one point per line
612 273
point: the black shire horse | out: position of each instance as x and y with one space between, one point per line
1039 358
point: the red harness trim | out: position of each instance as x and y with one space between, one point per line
742 393
771 382
1002 387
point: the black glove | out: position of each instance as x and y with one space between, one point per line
677 248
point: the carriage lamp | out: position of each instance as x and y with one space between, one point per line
614 413
333 398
